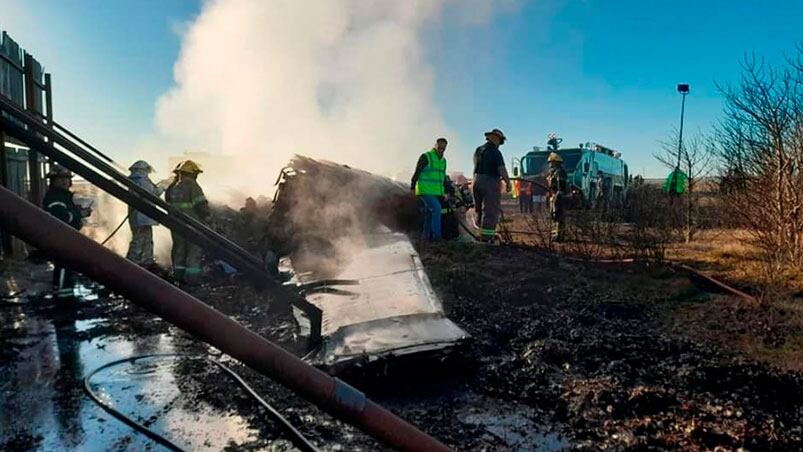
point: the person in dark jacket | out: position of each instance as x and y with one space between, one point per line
489 168
58 201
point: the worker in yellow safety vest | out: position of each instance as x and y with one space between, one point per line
188 197
428 185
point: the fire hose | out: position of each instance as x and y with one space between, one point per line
115 231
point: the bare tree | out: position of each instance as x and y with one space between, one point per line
760 145
696 161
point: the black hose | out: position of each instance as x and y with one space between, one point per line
296 437
115 230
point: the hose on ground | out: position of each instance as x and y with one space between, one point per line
296 437
115 230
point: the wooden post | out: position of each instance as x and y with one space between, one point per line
49 100
34 168
49 116
5 237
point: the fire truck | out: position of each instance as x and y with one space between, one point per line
582 165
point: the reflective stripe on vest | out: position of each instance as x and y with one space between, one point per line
488 232
430 181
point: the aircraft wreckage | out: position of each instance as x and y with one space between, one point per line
343 236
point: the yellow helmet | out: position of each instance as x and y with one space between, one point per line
554 157
188 166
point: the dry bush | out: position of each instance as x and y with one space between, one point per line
596 233
760 145
654 222
695 159
642 229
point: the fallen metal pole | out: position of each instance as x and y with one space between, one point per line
82 254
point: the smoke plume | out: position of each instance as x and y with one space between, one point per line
344 80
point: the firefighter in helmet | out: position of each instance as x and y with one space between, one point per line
58 201
556 183
188 197
140 249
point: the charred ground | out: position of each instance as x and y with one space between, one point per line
563 354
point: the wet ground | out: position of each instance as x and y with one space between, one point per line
563 355
49 348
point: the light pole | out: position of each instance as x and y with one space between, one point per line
683 89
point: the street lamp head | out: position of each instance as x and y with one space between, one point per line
683 88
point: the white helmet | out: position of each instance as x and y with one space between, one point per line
141 165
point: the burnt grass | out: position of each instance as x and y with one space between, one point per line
589 347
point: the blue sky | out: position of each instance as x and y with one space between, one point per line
605 71
602 71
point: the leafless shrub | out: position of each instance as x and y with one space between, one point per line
760 145
539 229
642 229
653 222
696 160
596 233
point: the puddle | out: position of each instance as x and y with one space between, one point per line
45 408
87 324
85 293
515 431
147 391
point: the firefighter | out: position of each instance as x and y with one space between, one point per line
188 197
140 249
489 167
556 183
526 197
428 185
602 192
58 201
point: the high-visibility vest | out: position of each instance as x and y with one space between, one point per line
430 181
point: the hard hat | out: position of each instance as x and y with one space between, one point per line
188 166
178 165
498 133
141 165
58 171
554 157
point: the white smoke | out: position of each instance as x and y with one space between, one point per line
345 80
